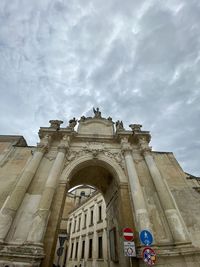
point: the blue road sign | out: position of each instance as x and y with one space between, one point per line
146 237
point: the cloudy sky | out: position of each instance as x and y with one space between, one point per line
138 60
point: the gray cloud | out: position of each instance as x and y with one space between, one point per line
139 61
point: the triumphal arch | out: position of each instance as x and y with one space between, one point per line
143 189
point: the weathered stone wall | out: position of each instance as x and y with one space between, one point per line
12 168
145 189
187 198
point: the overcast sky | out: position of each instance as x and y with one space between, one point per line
139 61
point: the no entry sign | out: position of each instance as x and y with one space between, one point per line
128 234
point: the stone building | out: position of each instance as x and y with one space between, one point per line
87 232
142 189
77 198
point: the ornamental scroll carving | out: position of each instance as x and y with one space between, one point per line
95 149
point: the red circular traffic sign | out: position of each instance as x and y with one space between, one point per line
128 234
149 256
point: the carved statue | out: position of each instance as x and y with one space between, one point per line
83 118
119 125
72 123
97 113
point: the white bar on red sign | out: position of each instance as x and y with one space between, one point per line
128 234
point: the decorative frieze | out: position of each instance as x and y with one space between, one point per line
95 149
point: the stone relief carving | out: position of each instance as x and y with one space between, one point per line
51 155
125 145
94 149
144 146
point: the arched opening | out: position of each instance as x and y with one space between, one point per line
100 174
95 175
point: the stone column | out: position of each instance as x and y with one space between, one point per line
167 201
141 213
41 217
14 201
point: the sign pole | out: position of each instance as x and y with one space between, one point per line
58 262
131 265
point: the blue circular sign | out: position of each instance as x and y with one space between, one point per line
146 237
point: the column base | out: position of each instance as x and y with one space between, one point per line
182 255
16 255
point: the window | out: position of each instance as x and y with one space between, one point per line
79 223
85 220
74 226
70 225
100 213
83 249
90 248
76 252
82 193
100 247
91 217
72 247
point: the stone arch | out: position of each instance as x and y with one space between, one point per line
114 167
103 160
114 187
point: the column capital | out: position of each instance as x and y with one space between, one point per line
135 127
64 144
125 145
42 148
43 145
144 146
55 124
62 148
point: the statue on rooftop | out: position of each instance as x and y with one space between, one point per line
97 113
72 123
119 125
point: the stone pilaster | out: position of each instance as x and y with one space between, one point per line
95 235
41 217
13 201
141 213
105 245
79 248
175 221
86 247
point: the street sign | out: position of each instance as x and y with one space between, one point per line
146 237
129 249
128 234
60 251
149 256
62 240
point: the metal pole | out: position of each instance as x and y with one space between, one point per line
131 265
58 261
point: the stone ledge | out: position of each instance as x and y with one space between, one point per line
171 251
24 253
